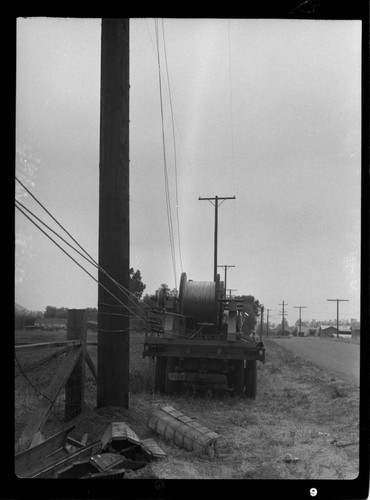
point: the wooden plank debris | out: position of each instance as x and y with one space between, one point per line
118 435
77 469
82 453
106 461
152 449
41 455
120 449
112 474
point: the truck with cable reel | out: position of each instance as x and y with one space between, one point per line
196 338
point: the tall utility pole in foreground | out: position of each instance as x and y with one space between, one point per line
216 205
337 301
300 321
113 318
225 267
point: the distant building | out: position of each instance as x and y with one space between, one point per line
331 331
345 333
307 331
327 331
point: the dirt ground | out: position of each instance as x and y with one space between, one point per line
304 423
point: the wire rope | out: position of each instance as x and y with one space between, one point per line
168 200
174 147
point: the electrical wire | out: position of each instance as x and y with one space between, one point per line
174 148
90 259
231 105
188 163
66 242
76 262
167 193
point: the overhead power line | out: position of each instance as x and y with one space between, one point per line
76 262
22 208
174 148
167 192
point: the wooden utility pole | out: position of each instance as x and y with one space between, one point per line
337 301
216 205
261 326
113 316
267 322
283 313
225 267
231 290
300 321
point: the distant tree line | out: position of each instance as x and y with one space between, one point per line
25 318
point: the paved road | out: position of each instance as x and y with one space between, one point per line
342 359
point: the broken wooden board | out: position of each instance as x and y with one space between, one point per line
106 461
119 435
112 474
77 469
152 449
83 453
43 454
183 431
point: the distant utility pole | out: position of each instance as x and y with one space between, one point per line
225 267
337 301
261 326
216 205
114 244
300 309
231 290
283 313
267 322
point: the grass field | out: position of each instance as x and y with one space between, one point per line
296 427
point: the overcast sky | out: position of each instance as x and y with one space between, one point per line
266 110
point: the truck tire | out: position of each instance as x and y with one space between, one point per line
171 386
239 376
251 379
159 374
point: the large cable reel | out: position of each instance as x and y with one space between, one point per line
199 299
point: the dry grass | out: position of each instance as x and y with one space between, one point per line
286 432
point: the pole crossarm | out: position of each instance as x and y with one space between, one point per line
214 198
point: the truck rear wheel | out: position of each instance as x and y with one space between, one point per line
239 376
251 379
171 386
160 374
